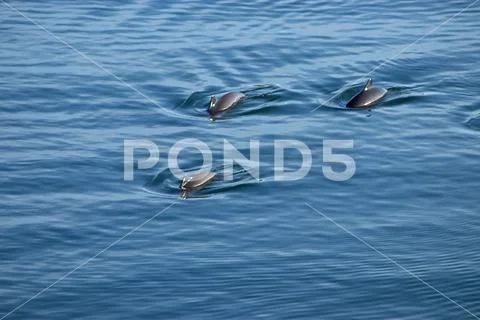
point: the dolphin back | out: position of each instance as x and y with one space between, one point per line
198 181
227 101
368 96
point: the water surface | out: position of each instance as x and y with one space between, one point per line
243 249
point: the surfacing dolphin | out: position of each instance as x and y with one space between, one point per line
226 102
196 182
369 96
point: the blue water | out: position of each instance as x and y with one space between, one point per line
401 238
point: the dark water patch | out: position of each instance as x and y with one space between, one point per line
403 96
474 122
164 184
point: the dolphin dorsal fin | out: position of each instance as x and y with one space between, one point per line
213 101
368 85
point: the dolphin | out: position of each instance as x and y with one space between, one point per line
196 182
226 102
367 97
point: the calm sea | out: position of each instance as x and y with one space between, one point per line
399 240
